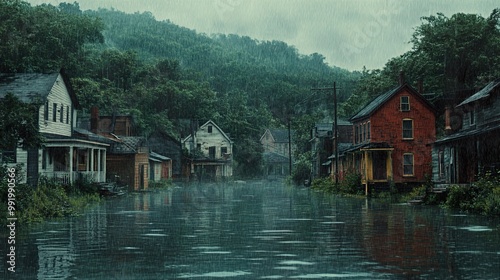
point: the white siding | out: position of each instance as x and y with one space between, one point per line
22 158
60 97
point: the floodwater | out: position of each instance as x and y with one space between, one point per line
256 230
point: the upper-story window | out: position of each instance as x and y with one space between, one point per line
54 112
407 129
209 129
472 117
61 114
67 114
46 111
368 130
405 103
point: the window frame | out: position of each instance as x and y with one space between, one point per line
405 165
404 106
406 129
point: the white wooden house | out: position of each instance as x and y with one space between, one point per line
67 153
210 151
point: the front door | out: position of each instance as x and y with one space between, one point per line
379 165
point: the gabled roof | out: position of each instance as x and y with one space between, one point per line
279 135
482 94
210 122
33 87
380 100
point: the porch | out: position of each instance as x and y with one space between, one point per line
69 160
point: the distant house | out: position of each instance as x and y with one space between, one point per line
393 138
68 154
276 151
210 152
321 148
160 167
127 159
345 141
166 145
474 149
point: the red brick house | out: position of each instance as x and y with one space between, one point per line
392 139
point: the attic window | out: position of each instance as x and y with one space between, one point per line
405 103
209 129
46 111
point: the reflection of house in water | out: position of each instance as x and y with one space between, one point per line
55 260
399 245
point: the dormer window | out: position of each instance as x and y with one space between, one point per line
405 103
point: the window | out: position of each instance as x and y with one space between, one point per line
44 159
46 111
472 117
441 164
356 132
223 150
209 129
54 112
407 129
369 127
61 114
405 103
408 164
211 152
67 114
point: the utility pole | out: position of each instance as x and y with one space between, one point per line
335 127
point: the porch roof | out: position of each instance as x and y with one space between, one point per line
370 146
74 142
469 133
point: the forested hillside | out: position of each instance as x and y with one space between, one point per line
164 74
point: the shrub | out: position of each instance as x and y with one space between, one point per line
482 197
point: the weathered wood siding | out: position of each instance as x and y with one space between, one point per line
59 106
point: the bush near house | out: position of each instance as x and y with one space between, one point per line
49 199
482 197
350 185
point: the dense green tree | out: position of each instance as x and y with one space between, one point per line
18 123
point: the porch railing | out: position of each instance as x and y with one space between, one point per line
64 176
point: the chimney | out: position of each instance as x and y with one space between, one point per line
420 85
401 77
94 119
447 120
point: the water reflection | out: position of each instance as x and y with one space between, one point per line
257 231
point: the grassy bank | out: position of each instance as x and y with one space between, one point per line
49 199
481 197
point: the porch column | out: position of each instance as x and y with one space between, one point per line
104 165
71 164
91 167
99 154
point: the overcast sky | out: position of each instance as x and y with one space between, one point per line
349 33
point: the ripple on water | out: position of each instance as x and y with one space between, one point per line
218 274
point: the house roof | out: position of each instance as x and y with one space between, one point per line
490 127
482 94
279 135
33 87
210 122
272 157
380 100
157 157
128 145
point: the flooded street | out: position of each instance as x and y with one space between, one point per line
257 230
